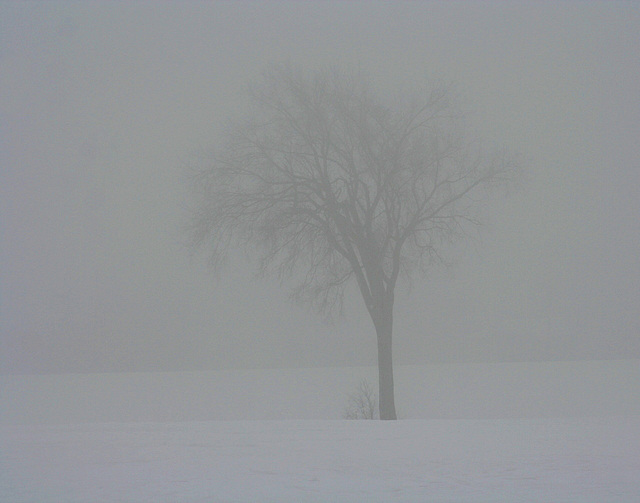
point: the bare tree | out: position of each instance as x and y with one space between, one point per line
332 183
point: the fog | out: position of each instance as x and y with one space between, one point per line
104 106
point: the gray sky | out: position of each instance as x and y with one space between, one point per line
102 104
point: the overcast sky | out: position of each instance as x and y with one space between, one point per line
103 104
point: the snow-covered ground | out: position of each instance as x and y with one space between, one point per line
509 432
581 460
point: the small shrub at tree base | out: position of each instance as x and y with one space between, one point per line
362 403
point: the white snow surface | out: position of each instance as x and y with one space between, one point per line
510 432
496 460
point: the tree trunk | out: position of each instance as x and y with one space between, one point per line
384 331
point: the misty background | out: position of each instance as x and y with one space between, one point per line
104 106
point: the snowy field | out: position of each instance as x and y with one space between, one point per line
512 432
582 460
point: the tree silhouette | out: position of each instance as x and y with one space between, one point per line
331 183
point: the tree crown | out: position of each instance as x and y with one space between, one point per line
327 179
